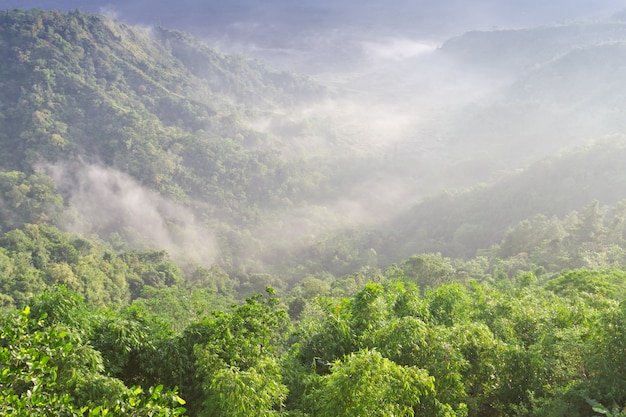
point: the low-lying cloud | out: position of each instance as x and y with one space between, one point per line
397 49
109 201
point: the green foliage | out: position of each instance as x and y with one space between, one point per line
123 339
40 256
532 326
368 308
61 306
51 370
28 380
226 350
28 199
366 383
448 304
478 350
404 340
606 359
589 283
600 409
429 270
325 335
257 390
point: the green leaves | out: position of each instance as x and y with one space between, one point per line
237 393
228 355
47 370
367 384
30 361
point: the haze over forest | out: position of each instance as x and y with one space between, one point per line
419 102
313 208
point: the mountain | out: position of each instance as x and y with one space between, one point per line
151 139
547 141
149 184
66 76
522 49
80 90
459 224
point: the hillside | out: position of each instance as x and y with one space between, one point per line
493 101
115 122
459 224
188 232
153 140
81 87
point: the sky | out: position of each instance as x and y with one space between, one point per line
241 17
308 35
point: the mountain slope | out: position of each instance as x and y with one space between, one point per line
157 105
150 136
460 224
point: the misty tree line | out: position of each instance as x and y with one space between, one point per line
86 88
357 324
501 334
476 349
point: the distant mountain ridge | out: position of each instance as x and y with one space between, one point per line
95 111
523 49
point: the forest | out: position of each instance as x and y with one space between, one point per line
178 237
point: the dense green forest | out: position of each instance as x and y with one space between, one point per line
151 262
89 331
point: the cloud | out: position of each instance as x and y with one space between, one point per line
109 11
110 201
396 49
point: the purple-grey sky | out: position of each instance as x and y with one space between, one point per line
426 17
333 36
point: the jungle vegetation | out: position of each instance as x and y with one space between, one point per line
119 145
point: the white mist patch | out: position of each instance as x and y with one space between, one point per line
396 49
350 126
109 11
366 206
111 201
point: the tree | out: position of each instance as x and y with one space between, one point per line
325 334
226 350
49 369
449 304
233 392
369 309
605 358
367 384
428 270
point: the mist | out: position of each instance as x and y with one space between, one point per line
108 201
429 109
425 98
